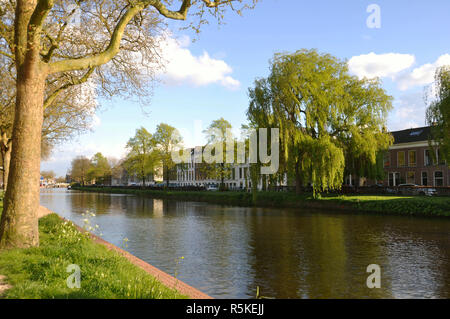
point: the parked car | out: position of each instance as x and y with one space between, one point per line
427 191
413 189
212 188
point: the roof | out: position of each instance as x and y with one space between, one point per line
417 134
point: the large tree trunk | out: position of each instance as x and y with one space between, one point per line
19 221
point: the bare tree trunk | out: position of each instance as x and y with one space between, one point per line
6 160
19 221
298 179
222 177
254 177
166 172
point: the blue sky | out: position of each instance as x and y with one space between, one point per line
217 69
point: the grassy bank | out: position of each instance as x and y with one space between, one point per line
400 205
41 272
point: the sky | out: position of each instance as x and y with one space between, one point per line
209 78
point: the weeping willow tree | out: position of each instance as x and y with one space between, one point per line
327 118
362 133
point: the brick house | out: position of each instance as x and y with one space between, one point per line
410 160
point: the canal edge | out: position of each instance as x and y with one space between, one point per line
163 277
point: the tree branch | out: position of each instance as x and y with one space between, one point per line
175 15
9 55
114 45
43 7
216 3
103 57
49 100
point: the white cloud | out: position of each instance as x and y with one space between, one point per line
409 111
395 66
182 67
422 75
96 122
380 65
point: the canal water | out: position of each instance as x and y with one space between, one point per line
227 252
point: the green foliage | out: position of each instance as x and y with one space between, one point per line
218 130
142 155
438 113
40 272
329 120
167 139
322 162
99 169
217 134
79 169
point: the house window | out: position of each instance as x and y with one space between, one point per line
438 178
387 159
394 179
424 178
410 177
440 159
412 158
401 159
391 179
427 158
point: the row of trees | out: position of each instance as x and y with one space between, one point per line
98 169
50 175
149 153
146 153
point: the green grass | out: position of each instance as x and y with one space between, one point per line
400 205
41 272
404 205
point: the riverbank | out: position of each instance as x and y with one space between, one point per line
41 272
385 204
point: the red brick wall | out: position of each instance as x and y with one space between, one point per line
417 169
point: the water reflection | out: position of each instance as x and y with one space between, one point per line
229 251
